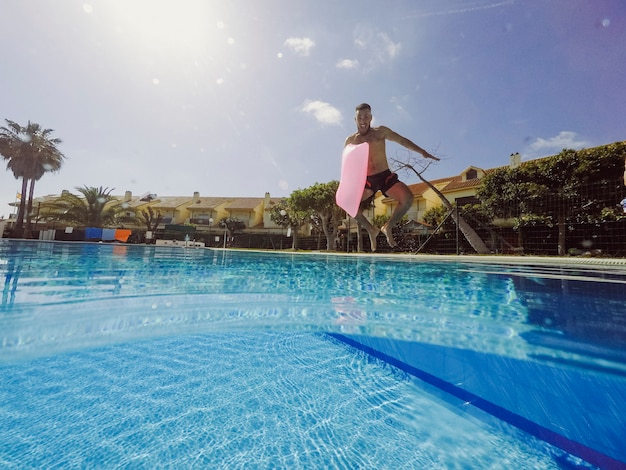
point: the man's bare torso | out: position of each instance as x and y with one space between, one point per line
375 137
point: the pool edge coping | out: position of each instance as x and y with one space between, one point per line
492 259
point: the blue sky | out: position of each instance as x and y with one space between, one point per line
236 98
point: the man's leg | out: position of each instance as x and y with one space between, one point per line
401 193
361 219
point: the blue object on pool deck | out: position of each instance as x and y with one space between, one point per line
92 233
87 328
108 234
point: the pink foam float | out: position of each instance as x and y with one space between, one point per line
353 176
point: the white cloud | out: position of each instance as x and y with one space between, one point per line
348 64
462 8
300 46
389 47
564 140
323 112
397 103
378 45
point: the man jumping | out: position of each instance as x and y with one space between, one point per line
379 176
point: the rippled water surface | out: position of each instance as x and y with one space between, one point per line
239 400
60 296
138 356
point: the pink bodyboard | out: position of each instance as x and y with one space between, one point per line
353 176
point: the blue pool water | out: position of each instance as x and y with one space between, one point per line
121 356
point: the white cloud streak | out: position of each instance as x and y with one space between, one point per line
378 46
462 7
300 46
348 64
564 140
323 112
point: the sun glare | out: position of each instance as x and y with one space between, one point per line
171 29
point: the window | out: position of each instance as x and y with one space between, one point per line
462 201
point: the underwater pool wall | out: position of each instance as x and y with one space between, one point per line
579 411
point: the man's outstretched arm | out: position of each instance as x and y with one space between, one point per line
406 143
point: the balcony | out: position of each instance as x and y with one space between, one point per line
199 221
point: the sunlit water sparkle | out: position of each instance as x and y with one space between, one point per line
132 356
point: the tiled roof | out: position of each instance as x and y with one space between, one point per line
209 203
245 203
171 202
454 183
457 184
134 201
44 199
420 188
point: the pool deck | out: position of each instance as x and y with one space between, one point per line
617 263
520 260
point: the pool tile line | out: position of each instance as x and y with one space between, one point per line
552 261
577 449
539 275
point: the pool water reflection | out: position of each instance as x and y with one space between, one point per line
124 310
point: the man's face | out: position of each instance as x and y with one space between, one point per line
363 119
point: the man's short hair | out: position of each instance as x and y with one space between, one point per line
363 106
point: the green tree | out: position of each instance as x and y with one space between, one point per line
572 186
435 215
503 193
151 219
285 214
318 201
279 213
555 184
96 208
232 225
601 189
380 220
508 194
30 152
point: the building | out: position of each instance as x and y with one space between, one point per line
205 212
460 190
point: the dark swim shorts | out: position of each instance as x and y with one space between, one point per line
381 181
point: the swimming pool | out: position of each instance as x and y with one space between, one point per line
134 356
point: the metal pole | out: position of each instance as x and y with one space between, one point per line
448 215
457 229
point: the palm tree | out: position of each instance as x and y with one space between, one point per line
96 208
30 152
151 219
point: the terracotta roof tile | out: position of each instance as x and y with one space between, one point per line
458 184
420 188
209 203
245 203
171 202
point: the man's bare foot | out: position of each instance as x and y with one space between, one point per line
373 234
387 232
